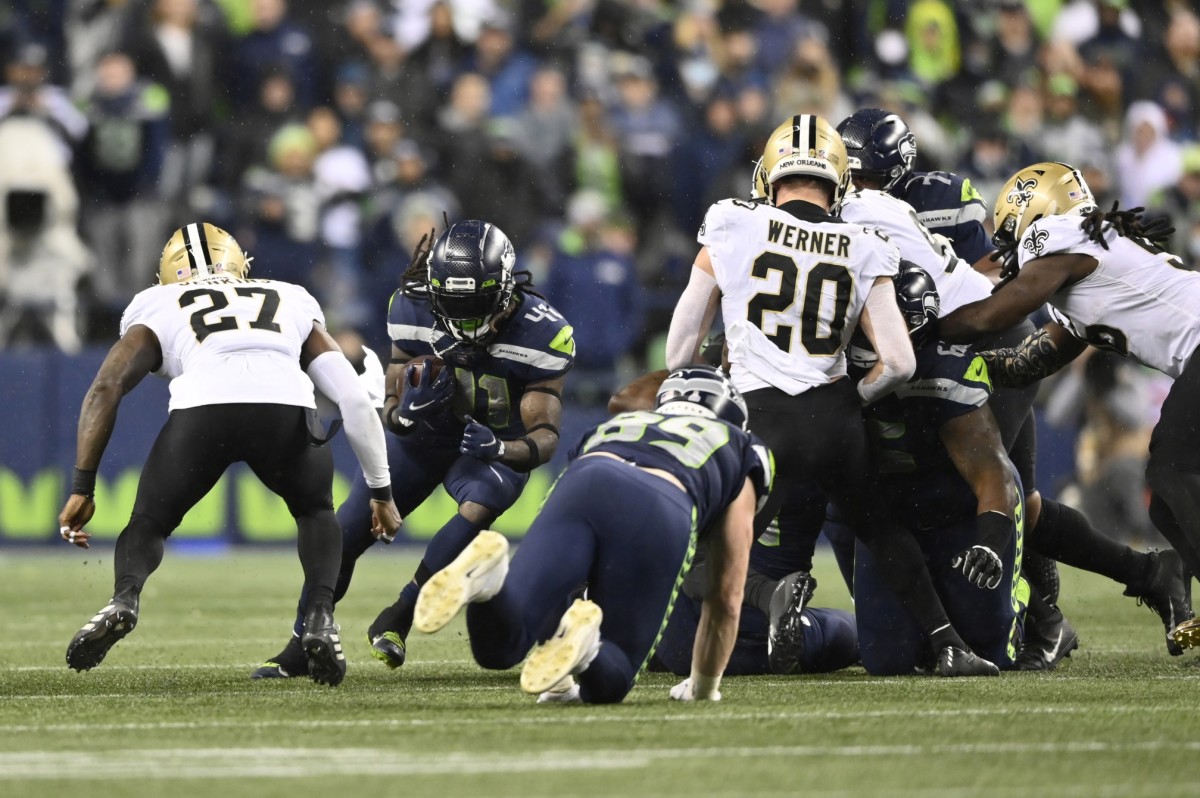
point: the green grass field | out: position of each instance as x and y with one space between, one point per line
172 712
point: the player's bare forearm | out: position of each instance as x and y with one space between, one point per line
129 360
1041 354
977 451
392 380
541 413
728 559
639 394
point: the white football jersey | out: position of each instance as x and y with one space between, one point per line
1139 301
792 290
956 281
226 340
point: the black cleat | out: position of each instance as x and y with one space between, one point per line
287 664
1047 641
785 634
953 662
1168 591
323 647
92 642
389 648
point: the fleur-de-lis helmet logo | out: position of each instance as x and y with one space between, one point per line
1022 191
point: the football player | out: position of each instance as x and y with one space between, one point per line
948 479
793 282
1111 285
688 470
478 427
242 356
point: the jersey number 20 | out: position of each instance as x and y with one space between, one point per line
812 308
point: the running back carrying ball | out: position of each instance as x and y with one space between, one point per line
418 364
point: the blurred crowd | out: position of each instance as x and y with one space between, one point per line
330 136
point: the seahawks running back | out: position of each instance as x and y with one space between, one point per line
479 427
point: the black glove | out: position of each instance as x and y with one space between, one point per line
479 441
981 566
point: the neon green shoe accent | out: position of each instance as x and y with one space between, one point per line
392 637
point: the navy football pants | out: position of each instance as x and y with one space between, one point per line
630 536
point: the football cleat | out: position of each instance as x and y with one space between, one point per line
568 653
952 662
323 647
477 574
117 619
1187 634
1047 641
1167 591
287 664
388 648
785 633
566 691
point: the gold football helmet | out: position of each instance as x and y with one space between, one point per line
1044 189
804 145
201 250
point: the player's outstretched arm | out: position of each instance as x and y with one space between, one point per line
1035 283
974 445
728 557
334 376
1041 354
694 314
133 357
884 327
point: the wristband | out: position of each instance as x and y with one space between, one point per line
83 483
383 494
535 455
993 529
705 688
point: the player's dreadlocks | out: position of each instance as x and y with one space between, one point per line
1127 224
414 277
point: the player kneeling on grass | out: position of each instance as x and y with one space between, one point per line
624 518
242 356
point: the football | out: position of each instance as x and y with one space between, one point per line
421 362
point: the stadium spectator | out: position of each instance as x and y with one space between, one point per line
1172 78
273 42
1147 160
507 68
1068 135
120 165
1079 20
1013 56
246 136
1180 203
27 94
547 126
179 45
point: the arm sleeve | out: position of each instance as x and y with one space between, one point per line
334 376
687 323
891 344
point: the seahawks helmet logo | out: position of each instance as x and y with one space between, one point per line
908 149
1035 242
1022 192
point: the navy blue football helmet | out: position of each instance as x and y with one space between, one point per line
702 391
471 279
919 302
880 146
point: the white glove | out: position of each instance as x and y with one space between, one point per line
684 692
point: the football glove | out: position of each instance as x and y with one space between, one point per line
685 692
430 396
480 442
981 566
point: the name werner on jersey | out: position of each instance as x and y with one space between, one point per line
815 241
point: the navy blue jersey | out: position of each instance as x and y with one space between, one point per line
949 205
533 344
710 458
923 484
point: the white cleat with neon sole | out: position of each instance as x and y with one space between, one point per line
568 653
477 574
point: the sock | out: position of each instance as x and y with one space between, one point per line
1064 534
398 616
448 543
319 543
139 553
759 590
1041 573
